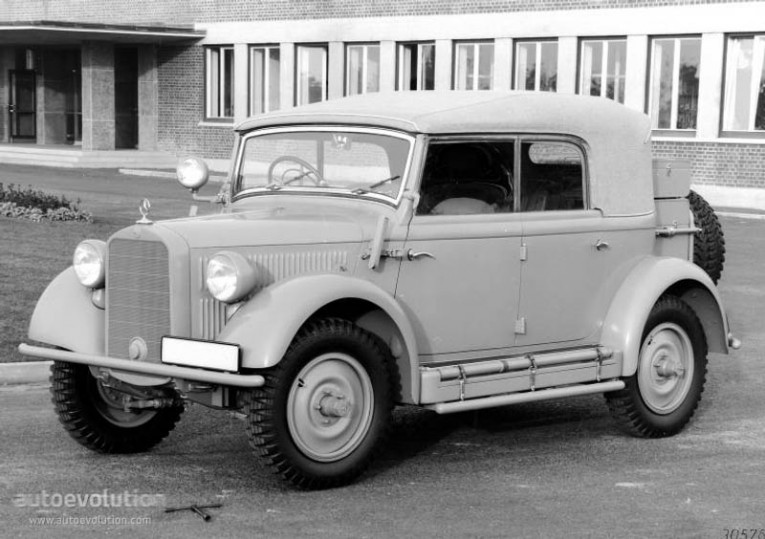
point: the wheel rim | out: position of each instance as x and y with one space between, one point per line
330 407
666 368
108 404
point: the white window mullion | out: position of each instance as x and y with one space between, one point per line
364 68
420 66
476 65
675 84
266 79
222 77
537 66
604 71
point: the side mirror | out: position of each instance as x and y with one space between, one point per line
192 173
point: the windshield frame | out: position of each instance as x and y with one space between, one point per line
237 194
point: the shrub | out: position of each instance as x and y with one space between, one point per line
35 205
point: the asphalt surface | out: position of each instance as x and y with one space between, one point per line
553 469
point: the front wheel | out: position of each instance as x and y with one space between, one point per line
662 396
94 413
325 410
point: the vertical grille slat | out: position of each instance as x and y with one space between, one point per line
138 296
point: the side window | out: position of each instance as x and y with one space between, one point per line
467 177
552 176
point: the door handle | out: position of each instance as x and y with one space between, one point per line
11 108
411 255
601 245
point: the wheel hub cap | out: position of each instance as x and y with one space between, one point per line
334 405
330 407
665 370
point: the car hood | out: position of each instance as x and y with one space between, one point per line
278 226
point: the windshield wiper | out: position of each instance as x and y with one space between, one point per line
367 189
383 182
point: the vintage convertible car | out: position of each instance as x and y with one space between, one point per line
453 251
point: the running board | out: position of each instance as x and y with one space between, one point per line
528 396
518 374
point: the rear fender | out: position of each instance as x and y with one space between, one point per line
267 324
652 277
66 317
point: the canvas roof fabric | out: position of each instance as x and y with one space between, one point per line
617 139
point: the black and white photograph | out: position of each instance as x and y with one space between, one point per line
382 268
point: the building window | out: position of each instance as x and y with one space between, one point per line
416 66
603 68
675 83
536 65
474 66
362 69
264 79
745 84
220 82
311 74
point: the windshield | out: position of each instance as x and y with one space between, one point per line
354 162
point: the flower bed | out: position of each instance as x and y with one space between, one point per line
36 205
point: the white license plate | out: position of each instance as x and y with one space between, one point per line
206 354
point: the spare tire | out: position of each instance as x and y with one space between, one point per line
709 242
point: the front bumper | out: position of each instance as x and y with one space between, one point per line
151 369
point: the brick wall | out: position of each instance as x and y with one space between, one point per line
719 163
232 10
187 12
181 106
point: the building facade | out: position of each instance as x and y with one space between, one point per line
177 76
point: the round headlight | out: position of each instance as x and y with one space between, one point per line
192 173
90 263
230 277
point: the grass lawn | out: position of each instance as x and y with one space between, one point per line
34 253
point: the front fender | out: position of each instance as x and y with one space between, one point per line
66 317
266 325
624 324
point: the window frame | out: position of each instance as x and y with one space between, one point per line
476 73
365 47
575 142
266 84
215 82
239 153
420 66
299 47
758 52
518 140
652 82
538 45
606 42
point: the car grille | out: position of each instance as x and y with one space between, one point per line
138 296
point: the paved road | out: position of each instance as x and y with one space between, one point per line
556 469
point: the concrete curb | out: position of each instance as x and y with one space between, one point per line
28 372
152 173
743 198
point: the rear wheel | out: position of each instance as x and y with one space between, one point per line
95 415
325 410
662 396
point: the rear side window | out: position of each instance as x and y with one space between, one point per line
552 176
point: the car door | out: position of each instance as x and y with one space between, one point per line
460 275
575 257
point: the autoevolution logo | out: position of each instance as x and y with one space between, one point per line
104 498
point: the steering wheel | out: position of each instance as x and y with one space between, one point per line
306 170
